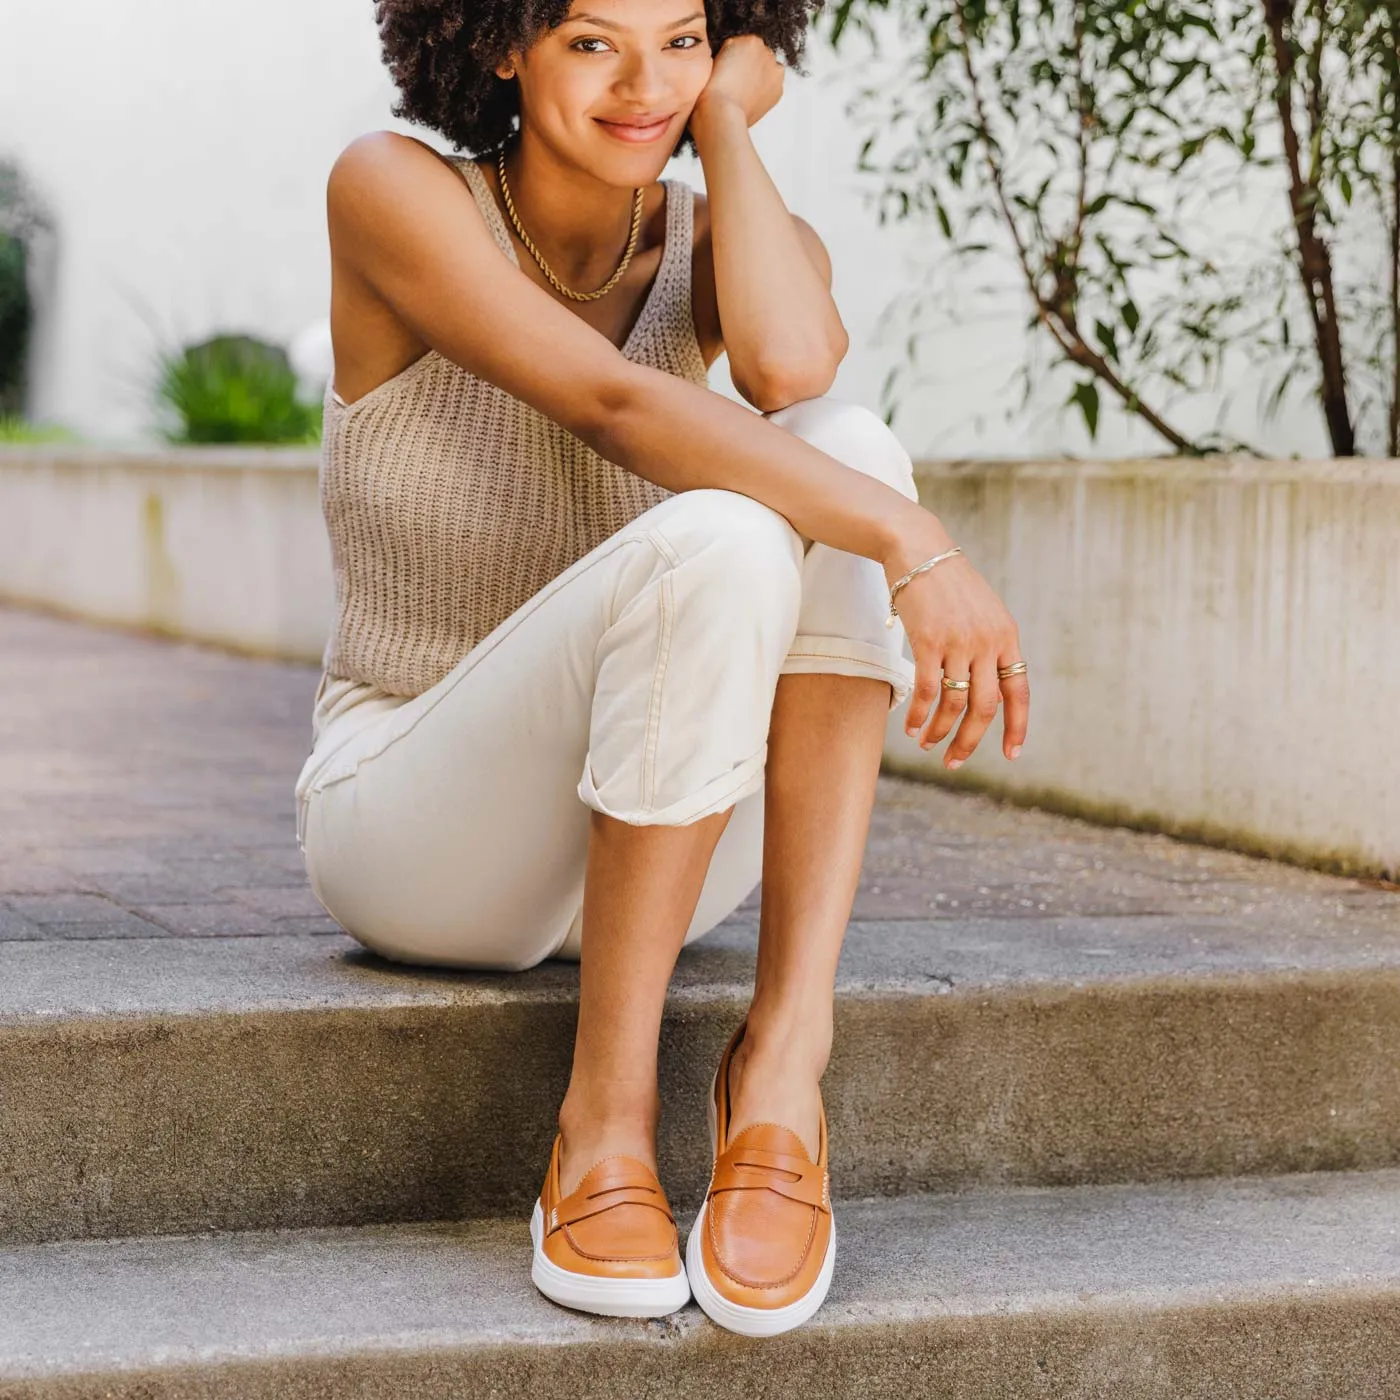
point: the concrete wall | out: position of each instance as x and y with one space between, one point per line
1213 646
224 545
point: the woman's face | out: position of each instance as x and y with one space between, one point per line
611 88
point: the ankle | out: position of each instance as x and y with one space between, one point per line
783 1040
778 1080
588 1134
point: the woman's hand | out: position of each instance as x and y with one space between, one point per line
959 628
747 75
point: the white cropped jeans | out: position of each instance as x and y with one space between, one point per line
452 828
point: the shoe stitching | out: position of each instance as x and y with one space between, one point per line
768 1123
709 1197
621 1258
572 1242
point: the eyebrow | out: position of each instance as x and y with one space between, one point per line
608 24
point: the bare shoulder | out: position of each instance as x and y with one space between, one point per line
395 207
381 163
705 302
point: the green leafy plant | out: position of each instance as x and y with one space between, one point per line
234 388
1092 141
21 221
16 317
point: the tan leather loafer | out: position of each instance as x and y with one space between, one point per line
609 1247
761 1252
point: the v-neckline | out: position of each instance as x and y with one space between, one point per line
507 243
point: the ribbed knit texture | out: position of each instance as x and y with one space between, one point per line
450 502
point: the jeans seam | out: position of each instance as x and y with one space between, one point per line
666 607
840 656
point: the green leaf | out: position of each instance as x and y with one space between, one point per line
1086 395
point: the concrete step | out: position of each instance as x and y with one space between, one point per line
152 1086
1224 1289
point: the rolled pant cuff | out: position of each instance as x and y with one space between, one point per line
847 656
713 796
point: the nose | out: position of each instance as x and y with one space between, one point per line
643 81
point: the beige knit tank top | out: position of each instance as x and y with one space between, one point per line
450 502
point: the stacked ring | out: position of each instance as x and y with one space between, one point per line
950 684
1017 668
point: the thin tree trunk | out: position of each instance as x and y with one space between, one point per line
1392 441
1314 259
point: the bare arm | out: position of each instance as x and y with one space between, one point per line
407 226
781 327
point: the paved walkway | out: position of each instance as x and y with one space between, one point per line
146 791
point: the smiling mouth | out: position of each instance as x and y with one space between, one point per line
635 131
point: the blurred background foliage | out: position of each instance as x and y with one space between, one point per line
233 388
1094 142
22 218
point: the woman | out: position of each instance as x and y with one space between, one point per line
609 646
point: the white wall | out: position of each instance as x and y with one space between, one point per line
184 145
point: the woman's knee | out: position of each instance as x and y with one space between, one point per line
854 435
741 548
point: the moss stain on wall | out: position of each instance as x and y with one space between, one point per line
162 578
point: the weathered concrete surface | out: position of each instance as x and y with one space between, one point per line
1211 644
146 790
321 1088
220 544
186 1042
1247 1288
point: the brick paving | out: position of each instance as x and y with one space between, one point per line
146 792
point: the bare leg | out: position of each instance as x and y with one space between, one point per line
641 887
824 745
640 890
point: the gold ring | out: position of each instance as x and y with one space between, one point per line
949 684
1017 668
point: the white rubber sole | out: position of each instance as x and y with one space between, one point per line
736 1317
609 1297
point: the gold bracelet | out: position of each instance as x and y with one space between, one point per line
914 573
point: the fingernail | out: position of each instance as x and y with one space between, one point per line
910 730
955 763
1015 751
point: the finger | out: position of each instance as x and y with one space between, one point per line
924 695
982 702
951 702
1016 691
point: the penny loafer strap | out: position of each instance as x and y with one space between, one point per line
604 1195
742 1169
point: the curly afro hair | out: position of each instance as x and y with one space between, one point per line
442 55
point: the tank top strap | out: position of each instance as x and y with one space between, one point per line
673 275
486 202
666 306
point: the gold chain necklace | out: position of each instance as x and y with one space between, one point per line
544 266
